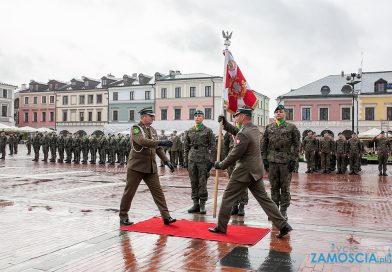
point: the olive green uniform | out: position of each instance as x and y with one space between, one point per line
309 147
3 144
383 151
354 147
341 150
326 149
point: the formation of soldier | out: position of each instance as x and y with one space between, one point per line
12 140
76 148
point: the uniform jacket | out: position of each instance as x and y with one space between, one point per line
245 153
145 148
199 145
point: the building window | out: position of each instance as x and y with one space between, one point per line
51 116
177 91
26 117
99 98
177 114
35 100
99 116
35 117
65 100
147 95
82 99
26 100
4 110
208 113
43 99
163 93
163 114
131 115
90 116
191 113
289 114
346 114
43 117
323 114
65 116
305 114
369 114
380 87
115 115
51 99
131 95
5 93
192 92
104 82
115 95
81 116
389 113
207 91
86 83
90 99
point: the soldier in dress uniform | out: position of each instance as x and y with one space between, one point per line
280 146
142 166
248 173
383 151
199 155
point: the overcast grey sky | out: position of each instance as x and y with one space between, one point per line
278 44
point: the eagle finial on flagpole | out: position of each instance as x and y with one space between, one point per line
227 37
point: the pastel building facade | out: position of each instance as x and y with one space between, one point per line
37 106
7 104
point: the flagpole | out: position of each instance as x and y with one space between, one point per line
227 38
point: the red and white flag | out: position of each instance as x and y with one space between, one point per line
237 92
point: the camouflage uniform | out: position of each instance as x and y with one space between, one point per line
107 148
60 147
353 155
309 147
16 143
341 151
326 149
11 144
228 144
68 144
76 146
53 146
123 150
383 151
93 143
45 143
36 146
102 149
28 144
199 155
280 147
113 145
174 150
3 144
85 147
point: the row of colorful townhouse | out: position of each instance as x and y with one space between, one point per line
112 104
325 105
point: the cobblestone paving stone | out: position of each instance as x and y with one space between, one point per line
64 217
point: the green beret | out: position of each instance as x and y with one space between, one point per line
198 112
279 107
247 112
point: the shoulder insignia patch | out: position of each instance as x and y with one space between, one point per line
135 130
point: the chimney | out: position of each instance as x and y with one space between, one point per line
172 73
134 75
342 74
178 73
158 76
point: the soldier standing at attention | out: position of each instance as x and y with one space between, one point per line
248 173
326 149
68 143
280 146
162 136
85 147
93 144
3 144
76 145
383 151
60 147
142 166
341 150
354 147
175 148
16 143
309 147
36 146
11 144
53 147
28 144
199 155
45 142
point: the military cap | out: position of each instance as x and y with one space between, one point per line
147 110
279 107
198 112
245 111
382 132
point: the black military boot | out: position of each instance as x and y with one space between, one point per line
203 207
380 173
308 171
241 210
195 208
385 174
234 210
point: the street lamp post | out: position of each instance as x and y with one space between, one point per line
352 80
